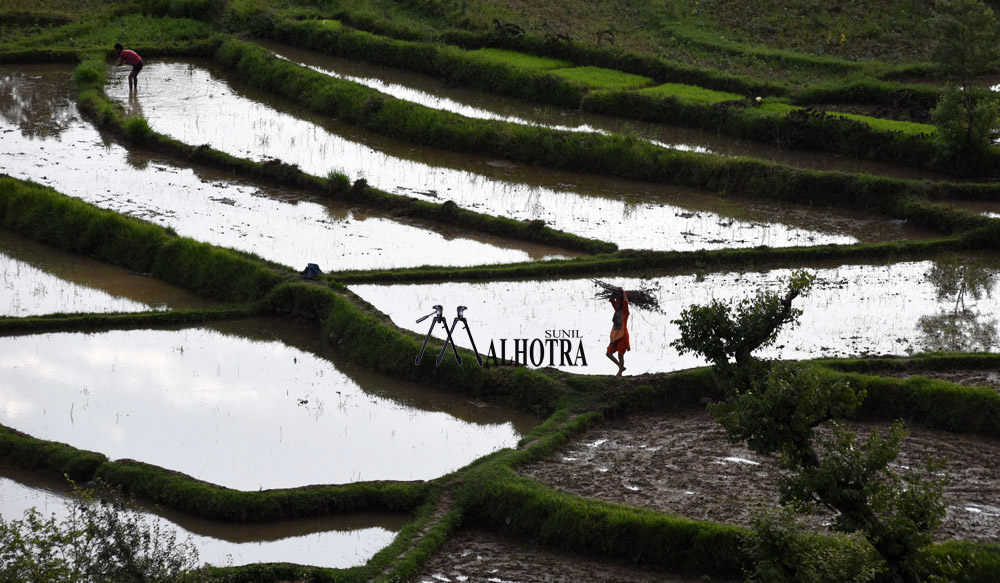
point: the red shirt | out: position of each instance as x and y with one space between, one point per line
129 56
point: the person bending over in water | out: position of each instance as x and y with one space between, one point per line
132 58
619 333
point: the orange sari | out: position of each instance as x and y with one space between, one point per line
619 328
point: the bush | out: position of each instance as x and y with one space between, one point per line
100 540
966 130
780 551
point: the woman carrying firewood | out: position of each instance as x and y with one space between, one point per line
644 298
619 332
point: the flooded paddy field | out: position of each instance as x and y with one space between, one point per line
36 279
852 310
43 139
474 555
681 463
332 541
435 93
196 104
247 405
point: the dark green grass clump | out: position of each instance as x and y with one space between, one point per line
70 224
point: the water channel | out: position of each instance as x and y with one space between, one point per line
195 103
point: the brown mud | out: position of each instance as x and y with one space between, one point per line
475 556
681 463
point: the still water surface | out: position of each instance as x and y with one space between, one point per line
435 93
197 104
336 541
893 308
246 405
43 139
36 279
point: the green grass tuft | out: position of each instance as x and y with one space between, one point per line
691 93
599 78
517 59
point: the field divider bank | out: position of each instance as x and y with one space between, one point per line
632 261
254 287
181 492
613 155
135 131
786 120
497 498
46 216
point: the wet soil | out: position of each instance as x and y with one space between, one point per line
475 556
681 463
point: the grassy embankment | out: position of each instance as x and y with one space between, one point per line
899 135
491 492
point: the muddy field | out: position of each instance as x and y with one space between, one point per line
475 556
681 463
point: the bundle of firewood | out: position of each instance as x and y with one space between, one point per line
644 298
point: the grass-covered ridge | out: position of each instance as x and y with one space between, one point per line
671 62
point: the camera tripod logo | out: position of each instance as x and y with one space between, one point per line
439 317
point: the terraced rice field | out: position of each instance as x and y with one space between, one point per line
267 404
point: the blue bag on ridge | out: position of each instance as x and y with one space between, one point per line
311 271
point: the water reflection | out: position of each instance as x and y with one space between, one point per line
235 411
852 310
283 226
963 327
482 106
37 101
36 279
433 92
337 542
192 103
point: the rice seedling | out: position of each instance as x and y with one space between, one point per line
600 78
690 93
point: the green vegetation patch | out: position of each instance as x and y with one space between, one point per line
890 125
517 59
690 93
67 223
133 30
494 496
775 107
185 493
599 78
49 457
